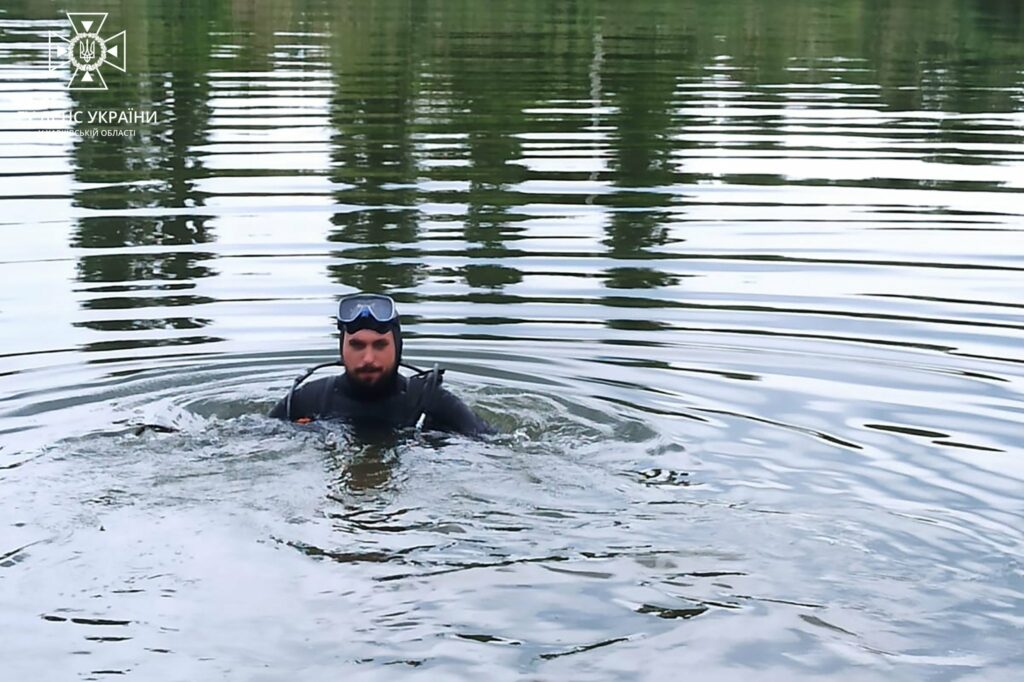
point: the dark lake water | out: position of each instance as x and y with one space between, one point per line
742 283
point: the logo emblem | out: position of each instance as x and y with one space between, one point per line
86 51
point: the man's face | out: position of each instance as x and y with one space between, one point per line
369 356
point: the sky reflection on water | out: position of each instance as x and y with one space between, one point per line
740 287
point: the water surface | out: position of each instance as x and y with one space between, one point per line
741 286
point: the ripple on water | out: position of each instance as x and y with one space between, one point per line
744 302
592 526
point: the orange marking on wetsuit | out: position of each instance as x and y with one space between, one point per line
303 420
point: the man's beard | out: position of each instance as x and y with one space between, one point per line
368 375
372 381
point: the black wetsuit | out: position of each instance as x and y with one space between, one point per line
397 404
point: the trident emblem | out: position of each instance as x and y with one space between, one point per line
86 52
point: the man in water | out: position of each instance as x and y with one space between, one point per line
371 392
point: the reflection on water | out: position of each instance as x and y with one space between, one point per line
741 289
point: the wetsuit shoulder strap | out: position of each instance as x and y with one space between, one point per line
298 380
422 391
